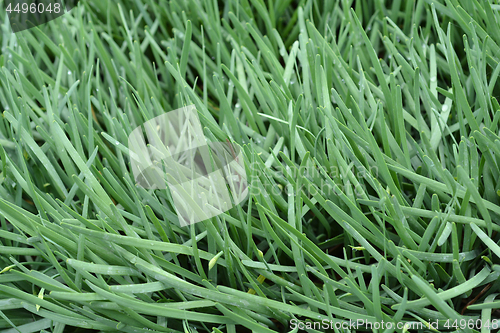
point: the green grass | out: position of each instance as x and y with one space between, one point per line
370 134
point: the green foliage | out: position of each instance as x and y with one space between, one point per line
370 134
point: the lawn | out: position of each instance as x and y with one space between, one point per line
368 131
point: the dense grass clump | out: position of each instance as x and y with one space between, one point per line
370 137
